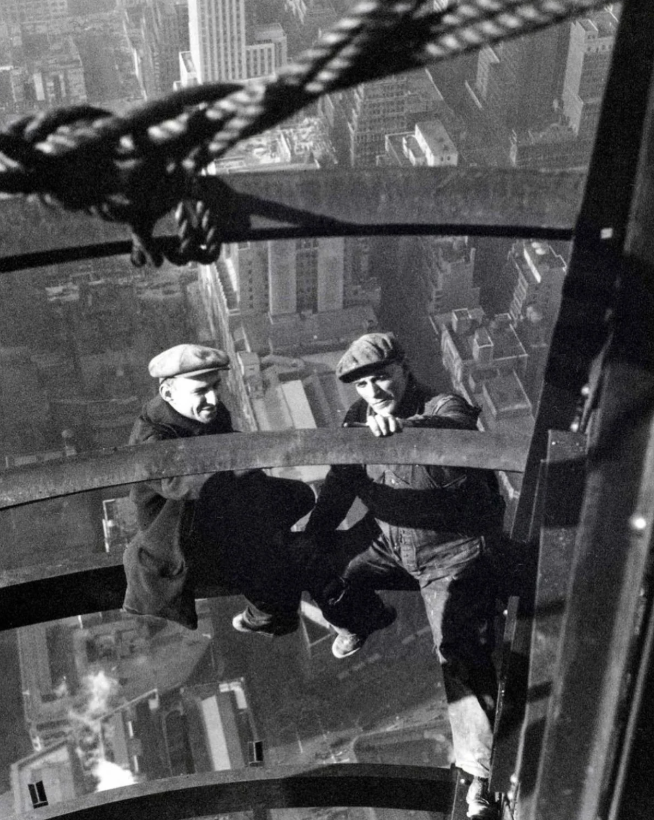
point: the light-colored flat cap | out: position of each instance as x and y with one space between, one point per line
366 354
187 360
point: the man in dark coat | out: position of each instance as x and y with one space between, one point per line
229 529
425 529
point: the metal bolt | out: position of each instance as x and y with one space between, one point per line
638 522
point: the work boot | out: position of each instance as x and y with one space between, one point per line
348 643
279 625
481 803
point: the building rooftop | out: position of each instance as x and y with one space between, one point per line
506 395
302 146
306 334
435 135
504 339
535 258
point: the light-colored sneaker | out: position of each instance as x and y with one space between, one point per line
269 630
481 803
348 643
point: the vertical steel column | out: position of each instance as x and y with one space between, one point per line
561 490
589 292
601 648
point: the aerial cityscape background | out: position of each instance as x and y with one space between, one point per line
104 700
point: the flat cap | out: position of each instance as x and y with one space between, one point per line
187 360
368 353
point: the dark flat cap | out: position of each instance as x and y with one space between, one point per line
368 353
187 360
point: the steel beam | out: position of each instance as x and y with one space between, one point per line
295 204
562 491
239 451
412 788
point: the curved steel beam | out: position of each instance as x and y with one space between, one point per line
413 788
294 204
239 451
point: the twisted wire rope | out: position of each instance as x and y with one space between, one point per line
136 167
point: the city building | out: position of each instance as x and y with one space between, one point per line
516 80
71 668
305 10
476 349
283 276
586 70
428 144
554 147
360 118
56 768
487 363
198 728
539 275
446 272
226 44
165 34
535 336
57 75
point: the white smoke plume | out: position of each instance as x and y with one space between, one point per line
99 695
111 776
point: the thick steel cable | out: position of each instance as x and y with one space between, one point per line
137 167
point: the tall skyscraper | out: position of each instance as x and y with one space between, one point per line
360 118
227 45
286 276
587 66
165 35
374 110
516 80
539 274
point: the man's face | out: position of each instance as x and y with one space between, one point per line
384 388
195 398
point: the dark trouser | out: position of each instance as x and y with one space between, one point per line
459 597
244 541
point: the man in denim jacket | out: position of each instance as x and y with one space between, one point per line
425 529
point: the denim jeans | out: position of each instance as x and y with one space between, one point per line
458 591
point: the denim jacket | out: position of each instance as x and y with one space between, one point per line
441 504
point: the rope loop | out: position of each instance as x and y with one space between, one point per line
137 167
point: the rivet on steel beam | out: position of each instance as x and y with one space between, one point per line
638 522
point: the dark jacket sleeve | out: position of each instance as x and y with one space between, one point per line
177 488
447 411
340 488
